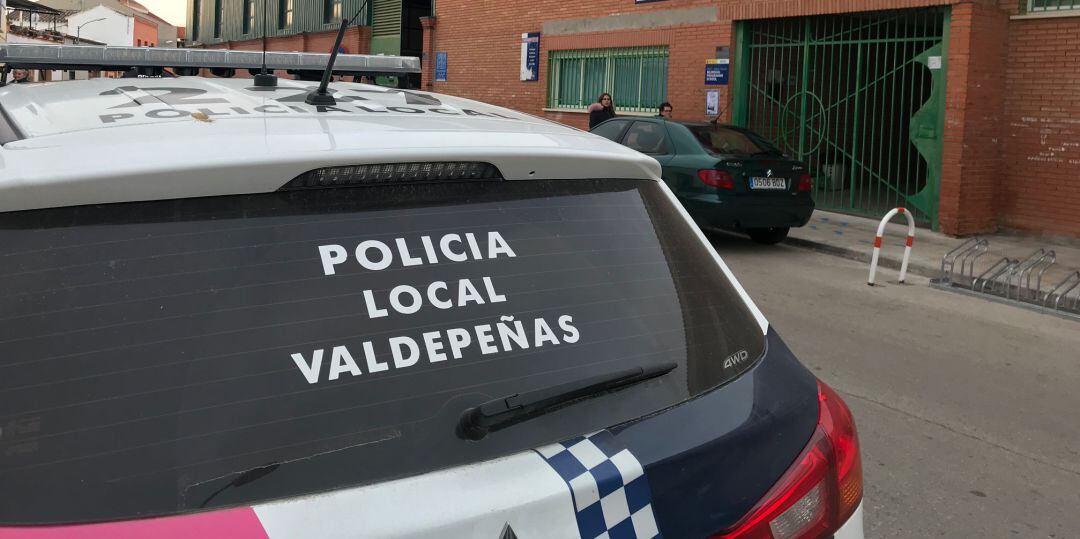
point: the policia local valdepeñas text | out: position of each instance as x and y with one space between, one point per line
505 335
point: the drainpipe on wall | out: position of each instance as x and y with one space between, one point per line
427 57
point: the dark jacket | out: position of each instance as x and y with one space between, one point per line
598 114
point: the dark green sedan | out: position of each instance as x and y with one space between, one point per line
725 176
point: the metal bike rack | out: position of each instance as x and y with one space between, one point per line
1060 294
1019 281
1035 265
965 255
1002 268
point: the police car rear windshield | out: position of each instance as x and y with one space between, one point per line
165 357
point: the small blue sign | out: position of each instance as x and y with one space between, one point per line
531 56
440 67
716 72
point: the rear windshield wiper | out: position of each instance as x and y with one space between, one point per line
503 412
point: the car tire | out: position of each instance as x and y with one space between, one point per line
768 236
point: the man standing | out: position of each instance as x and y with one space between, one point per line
666 110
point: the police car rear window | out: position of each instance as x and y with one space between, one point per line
164 357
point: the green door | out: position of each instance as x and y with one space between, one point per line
859 97
386 27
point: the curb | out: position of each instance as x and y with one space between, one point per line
852 254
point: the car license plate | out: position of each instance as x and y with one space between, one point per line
768 183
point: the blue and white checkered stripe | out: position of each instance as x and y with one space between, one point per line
608 485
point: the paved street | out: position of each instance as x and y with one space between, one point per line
968 410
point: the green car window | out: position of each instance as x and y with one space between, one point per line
648 138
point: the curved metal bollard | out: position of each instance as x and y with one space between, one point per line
877 243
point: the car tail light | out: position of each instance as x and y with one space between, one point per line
820 491
720 179
806 183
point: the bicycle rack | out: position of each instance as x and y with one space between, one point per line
1013 280
1040 260
1003 267
966 255
1062 290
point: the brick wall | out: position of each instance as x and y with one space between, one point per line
1040 190
483 43
483 49
971 157
146 33
357 40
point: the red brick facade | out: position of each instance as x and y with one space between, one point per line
1011 154
146 33
1040 187
971 168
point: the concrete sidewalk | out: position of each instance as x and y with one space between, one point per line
853 237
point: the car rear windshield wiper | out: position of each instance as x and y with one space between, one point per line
503 412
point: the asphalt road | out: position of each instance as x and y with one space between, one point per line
968 410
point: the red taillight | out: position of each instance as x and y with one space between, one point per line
720 179
806 183
818 493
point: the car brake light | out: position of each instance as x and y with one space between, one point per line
393 173
720 179
820 491
806 183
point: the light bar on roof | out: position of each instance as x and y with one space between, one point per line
93 57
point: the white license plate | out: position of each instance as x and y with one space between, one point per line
768 183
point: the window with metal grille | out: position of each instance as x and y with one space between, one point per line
219 14
1052 5
249 15
636 77
285 14
331 10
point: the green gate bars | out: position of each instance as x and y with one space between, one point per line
858 97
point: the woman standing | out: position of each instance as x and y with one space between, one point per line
602 110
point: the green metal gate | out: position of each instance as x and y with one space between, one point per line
859 97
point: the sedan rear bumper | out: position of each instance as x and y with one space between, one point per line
853 528
747 212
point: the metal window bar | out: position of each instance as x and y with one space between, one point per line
636 77
1052 5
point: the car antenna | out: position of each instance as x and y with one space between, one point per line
264 79
320 96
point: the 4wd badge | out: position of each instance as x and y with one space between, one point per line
736 359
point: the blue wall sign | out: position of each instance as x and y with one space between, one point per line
440 66
530 56
716 71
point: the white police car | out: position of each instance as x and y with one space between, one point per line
225 312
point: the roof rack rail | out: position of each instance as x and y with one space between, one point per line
188 61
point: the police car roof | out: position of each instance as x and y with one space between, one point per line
117 140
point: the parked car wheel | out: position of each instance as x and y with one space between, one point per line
768 236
